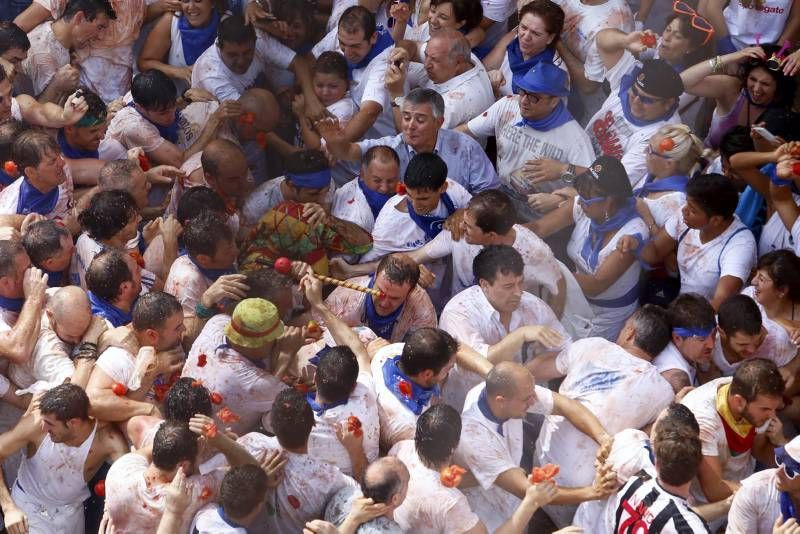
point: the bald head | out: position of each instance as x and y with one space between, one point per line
219 154
264 107
386 481
70 313
455 42
506 378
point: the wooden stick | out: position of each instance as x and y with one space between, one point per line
341 283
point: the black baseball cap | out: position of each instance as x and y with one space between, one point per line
609 175
659 79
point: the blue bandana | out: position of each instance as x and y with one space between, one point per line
73 153
170 133
519 65
212 274
420 396
55 278
483 406
558 117
382 325
14 305
384 41
431 224
670 183
106 310
374 199
702 333
319 409
196 40
311 180
228 520
625 86
597 231
6 179
31 200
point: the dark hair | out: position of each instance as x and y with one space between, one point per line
31 146
697 50
107 271
427 348
12 36
205 233
757 376
234 30
42 240
739 313
781 122
679 418
494 259
108 213
691 310
302 10
437 435
783 267
66 401
652 329
173 443
493 211
90 9
117 174
185 399
336 375
358 18
551 14
291 419
678 456
243 489
785 86
97 108
267 284
399 269
426 171
714 193
331 62
470 11
381 488
381 152
306 161
198 200
4 75
10 129
736 140
8 252
153 309
153 90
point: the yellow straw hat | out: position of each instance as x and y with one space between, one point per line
255 323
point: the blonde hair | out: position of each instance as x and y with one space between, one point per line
687 148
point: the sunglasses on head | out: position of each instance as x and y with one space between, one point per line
697 21
650 151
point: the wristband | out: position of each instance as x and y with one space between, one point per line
781 182
202 312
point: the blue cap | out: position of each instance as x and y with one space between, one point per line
545 78
311 180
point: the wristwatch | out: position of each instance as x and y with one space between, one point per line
569 175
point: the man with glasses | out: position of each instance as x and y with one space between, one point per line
538 140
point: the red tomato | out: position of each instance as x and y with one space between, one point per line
100 488
119 389
144 162
283 265
405 389
451 476
796 168
294 501
210 430
226 415
544 473
202 360
216 398
10 167
400 188
206 493
312 327
354 426
649 40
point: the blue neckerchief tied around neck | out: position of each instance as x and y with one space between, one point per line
558 117
55 278
11 304
788 510
106 310
170 133
597 231
212 274
230 522
483 406
670 183
6 179
195 41
375 200
519 65
320 409
382 325
384 41
420 396
431 225
625 86
31 200
74 153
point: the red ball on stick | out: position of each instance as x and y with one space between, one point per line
283 265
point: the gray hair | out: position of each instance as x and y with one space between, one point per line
651 325
426 96
457 44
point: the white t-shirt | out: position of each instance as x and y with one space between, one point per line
732 253
487 454
702 402
49 365
749 25
471 319
45 56
775 235
9 198
517 145
665 205
465 96
208 521
671 359
756 504
350 204
186 283
780 353
609 317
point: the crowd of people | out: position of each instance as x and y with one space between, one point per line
425 266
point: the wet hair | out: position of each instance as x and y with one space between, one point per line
785 86
399 269
691 310
154 90
116 174
107 271
198 200
551 14
10 129
243 489
153 309
678 456
12 36
497 259
736 140
386 484
31 147
714 193
421 95
234 30
678 418
427 348
173 443
205 233
757 376
381 152
437 435
65 401
426 171
185 399
267 284
739 313
470 11
358 18
331 62
291 419
8 253
97 108
783 267
336 375
652 329
90 9
306 161
42 240
493 211
107 214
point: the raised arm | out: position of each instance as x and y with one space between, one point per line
33 15
704 78
17 344
51 115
